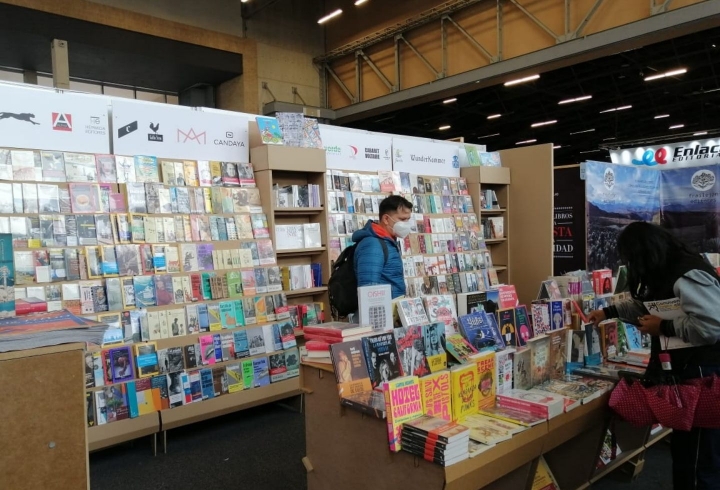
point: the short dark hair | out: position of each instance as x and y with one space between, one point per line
394 203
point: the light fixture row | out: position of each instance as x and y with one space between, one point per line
333 14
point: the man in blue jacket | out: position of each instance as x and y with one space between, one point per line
369 260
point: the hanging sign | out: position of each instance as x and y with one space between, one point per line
426 157
677 155
352 149
168 131
46 119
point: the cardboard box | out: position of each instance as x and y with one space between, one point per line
486 175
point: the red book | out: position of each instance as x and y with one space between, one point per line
196 285
317 345
323 338
30 305
538 404
508 297
337 329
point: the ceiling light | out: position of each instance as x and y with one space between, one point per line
329 16
494 116
545 123
525 142
360 2
609 139
489 135
621 108
449 101
522 80
590 151
701 133
444 128
576 99
662 116
556 147
585 131
677 126
672 73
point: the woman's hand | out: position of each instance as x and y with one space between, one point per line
649 324
596 316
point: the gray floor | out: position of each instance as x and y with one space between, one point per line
259 449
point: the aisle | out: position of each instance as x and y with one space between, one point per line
655 476
259 448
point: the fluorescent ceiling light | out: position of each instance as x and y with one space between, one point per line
443 128
544 123
662 116
590 151
609 139
677 126
576 99
701 133
672 73
522 80
525 142
494 116
329 16
556 147
585 131
449 101
489 135
360 2
621 108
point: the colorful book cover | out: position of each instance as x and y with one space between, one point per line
351 369
480 333
436 395
433 336
242 346
382 359
146 359
270 131
261 372
464 380
403 402
278 370
206 384
146 169
540 317
116 403
207 350
412 312
558 352
523 327
508 330
144 287
459 348
248 374
7 276
121 362
539 360
234 378
409 342
487 383
522 369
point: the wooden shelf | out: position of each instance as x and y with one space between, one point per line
195 412
300 251
495 240
499 268
298 211
493 211
306 292
616 463
106 435
658 436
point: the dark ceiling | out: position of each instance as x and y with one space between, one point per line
692 99
110 55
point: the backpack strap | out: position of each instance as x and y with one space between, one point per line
385 250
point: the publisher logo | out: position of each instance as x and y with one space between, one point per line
398 155
155 136
609 179
703 180
96 126
191 135
61 121
333 150
25 116
127 129
229 140
372 153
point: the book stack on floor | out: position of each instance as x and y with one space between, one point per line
436 440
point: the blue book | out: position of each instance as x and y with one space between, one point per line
203 317
556 315
206 384
242 348
217 343
261 372
132 399
269 129
593 356
479 332
239 313
634 337
144 291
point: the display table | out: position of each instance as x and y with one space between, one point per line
346 449
44 419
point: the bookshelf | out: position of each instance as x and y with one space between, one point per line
497 179
282 166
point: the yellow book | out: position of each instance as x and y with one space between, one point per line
207 194
148 398
216 172
214 315
191 174
464 380
544 479
486 379
403 402
234 378
436 394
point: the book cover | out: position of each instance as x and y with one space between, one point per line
351 370
146 359
270 131
459 348
412 312
536 403
441 308
144 287
278 369
121 360
540 317
558 352
487 382
539 360
464 381
382 358
409 342
433 341
523 326
507 326
480 333
256 341
436 395
375 306
261 372
403 402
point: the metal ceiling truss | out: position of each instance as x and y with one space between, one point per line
443 14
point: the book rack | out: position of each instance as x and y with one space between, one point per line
570 444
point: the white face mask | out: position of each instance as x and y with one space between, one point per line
401 228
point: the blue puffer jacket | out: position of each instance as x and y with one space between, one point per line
369 259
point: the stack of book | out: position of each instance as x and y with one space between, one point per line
436 440
291 237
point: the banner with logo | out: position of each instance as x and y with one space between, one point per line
354 150
569 224
676 155
46 119
616 196
168 131
689 203
426 157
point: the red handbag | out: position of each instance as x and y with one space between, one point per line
707 412
629 402
673 405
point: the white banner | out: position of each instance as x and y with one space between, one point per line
426 157
676 155
354 149
168 131
46 119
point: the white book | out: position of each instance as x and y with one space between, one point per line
311 232
289 237
375 306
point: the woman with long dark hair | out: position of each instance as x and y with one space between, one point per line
662 267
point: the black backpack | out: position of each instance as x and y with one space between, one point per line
342 286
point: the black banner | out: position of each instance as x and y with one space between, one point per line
570 229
